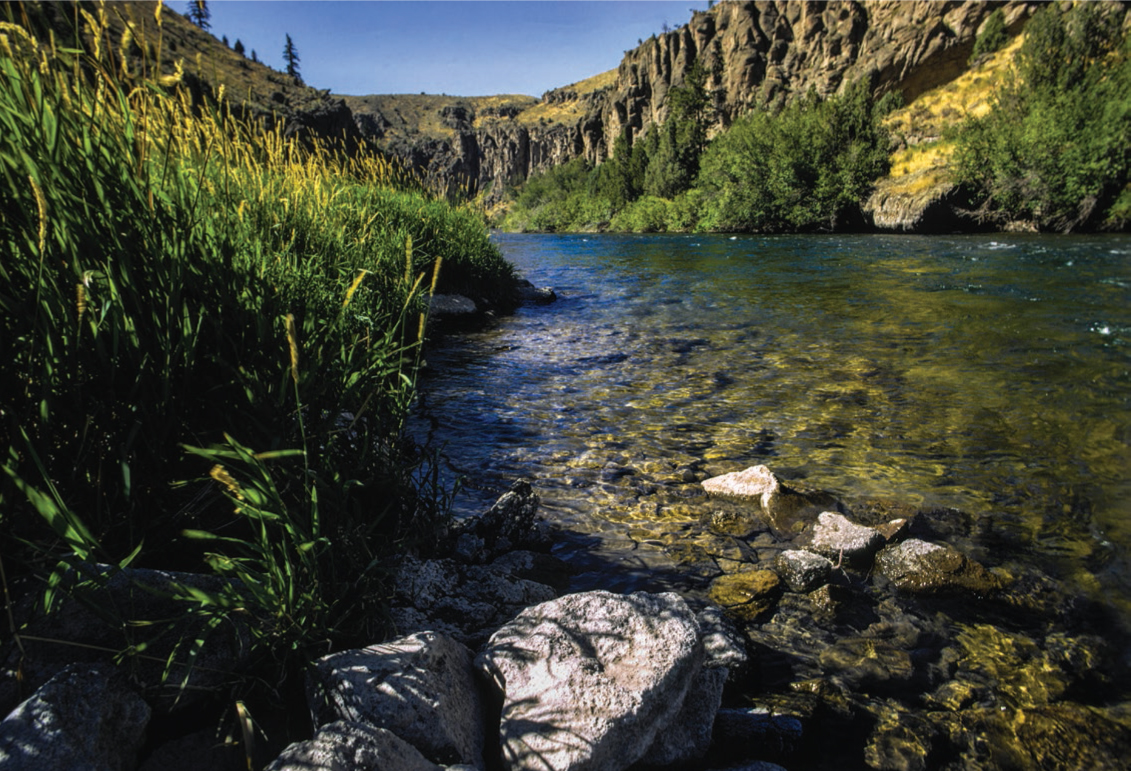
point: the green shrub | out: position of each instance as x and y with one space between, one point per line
1056 148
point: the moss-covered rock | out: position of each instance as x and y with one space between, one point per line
746 595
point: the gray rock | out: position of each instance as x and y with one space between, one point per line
441 306
803 571
589 680
420 687
83 719
785 510
835 536
511 523
528 294
345 746
927 568
467 602
722 642
688 737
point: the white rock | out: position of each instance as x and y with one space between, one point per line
420 687
587 681
345 746
835 535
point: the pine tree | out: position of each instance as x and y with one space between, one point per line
199 14
290 55
224 40
254 56
238 47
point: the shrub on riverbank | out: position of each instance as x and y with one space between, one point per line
174 279
1056 148
805 167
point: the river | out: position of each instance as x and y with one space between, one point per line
987 373
983 382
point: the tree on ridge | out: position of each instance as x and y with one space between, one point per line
290 55
199 14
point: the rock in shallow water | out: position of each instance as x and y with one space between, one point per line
926 568
589 680
746 595
803 571
835 536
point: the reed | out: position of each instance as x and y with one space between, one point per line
179 286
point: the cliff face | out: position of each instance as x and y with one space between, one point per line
759 53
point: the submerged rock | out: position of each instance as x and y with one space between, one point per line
746 595
590 680
926 568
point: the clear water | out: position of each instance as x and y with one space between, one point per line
987 373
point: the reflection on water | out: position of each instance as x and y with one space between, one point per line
991 374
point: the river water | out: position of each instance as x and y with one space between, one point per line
987 373
981 382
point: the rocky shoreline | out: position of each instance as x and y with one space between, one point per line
871 641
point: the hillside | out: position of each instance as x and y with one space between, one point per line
251 87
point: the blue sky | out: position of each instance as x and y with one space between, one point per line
457 47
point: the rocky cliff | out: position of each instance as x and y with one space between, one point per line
759 53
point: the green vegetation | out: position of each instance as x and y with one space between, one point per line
992 37
210 339
805 167
1056 147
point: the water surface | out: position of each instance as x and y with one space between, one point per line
987 373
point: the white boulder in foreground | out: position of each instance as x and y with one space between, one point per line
589 680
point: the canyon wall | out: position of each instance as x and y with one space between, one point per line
759 53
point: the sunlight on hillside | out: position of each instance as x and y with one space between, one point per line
923 158
571 108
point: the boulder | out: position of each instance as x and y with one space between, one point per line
688 737
511 523
803 571
746 595
346 746
467 602
921 567
588 681
420 687
447 306
85 718
835 536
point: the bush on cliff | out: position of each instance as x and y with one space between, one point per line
1056 148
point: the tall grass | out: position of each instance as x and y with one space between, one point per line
210 339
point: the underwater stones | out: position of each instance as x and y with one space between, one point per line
834 535
746 595
867 664
803 571
1064 735
740 524
925 568
901 741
